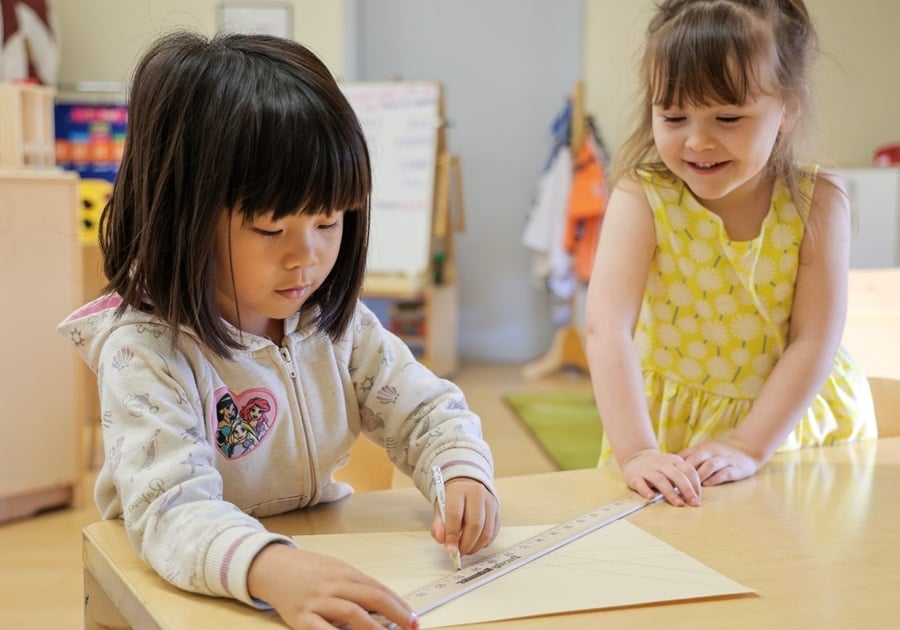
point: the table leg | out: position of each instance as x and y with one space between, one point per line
100 613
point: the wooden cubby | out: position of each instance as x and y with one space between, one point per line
26 126
40 278
435 340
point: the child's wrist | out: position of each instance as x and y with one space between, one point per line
748 447
640 454
260 571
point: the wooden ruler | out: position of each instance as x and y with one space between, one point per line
469 578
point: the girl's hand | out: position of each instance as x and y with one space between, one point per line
310 590
721 461
651 471
473 516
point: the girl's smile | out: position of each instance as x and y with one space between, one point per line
707 167
719 150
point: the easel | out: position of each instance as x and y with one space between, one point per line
368 467
567 347
436 286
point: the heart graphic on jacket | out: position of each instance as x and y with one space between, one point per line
243 420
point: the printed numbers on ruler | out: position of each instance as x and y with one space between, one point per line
468 579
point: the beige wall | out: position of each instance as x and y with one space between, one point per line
857 83
101 39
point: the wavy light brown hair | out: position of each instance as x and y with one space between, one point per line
703 52
250 123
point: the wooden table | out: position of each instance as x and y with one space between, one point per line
816 533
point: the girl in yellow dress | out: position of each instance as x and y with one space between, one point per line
717 300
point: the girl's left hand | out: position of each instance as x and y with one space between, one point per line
721 461
473 516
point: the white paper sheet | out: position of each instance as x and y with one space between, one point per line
617 565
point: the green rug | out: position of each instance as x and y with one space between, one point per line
566 424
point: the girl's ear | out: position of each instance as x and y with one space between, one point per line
792 107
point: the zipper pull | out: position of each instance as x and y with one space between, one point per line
286 355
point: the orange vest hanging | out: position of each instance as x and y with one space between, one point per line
587 203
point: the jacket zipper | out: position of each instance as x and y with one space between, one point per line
314 484
286 355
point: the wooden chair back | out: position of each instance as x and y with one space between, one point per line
886 394
368 469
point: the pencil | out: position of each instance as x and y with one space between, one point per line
441 493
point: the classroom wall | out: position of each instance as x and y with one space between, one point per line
502 136
101 39
856 84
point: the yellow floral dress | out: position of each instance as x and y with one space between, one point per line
714 322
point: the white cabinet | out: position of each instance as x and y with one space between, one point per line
875 199
40 381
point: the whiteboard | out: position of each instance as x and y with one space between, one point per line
401 121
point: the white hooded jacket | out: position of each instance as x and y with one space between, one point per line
197 446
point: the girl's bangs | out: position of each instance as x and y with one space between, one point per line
308 160
704 64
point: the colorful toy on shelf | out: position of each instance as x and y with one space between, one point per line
93 194
90 138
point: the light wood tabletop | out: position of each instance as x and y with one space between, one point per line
816 534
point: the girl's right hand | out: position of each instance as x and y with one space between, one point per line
310 590
651 471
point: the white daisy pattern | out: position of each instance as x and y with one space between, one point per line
697 350
782 236
719 368
709 280
725 304
716 313
677 219
681 295
669 335
746 327
765 270
700 252
716 332
687 325
704 309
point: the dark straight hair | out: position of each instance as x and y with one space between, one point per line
249 123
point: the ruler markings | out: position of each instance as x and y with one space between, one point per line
448 588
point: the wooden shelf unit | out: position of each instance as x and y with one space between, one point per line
436 342
40 277
26 126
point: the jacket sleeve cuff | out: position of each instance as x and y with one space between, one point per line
228 561
459 462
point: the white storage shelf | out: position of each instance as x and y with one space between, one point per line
875 198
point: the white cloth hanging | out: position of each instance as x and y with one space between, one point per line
546 223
